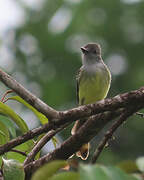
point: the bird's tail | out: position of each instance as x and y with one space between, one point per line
83 152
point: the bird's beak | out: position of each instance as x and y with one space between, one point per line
84 50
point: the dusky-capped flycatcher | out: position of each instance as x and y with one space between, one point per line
93 83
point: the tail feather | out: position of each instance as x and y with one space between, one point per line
83 152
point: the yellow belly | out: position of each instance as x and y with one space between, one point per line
94 87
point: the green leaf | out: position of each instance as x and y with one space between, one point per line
89 172
4 133
25 147
48 170
9 124
7 111
13 170
65 176
43 119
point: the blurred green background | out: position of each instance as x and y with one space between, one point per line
40 47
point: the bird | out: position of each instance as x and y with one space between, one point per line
93 83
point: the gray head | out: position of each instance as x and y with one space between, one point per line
91 53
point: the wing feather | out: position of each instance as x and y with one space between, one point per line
78 75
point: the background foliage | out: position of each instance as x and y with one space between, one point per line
43 54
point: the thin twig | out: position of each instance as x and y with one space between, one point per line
18 151
40 144
109 133
5 94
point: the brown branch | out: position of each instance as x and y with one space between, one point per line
108 135
27 96
90 128
132 98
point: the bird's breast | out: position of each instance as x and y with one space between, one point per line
94 85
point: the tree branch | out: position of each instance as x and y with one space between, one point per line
108 135
133 98
90 128
27 96
27 136
110 104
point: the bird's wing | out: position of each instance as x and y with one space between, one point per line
78 75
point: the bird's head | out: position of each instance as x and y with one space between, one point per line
91 53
